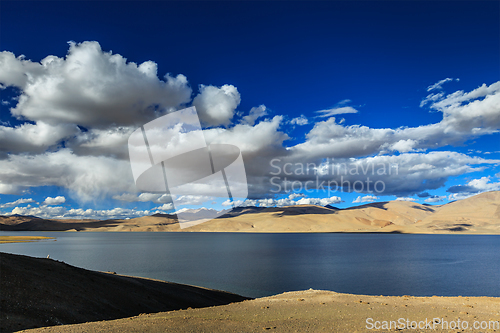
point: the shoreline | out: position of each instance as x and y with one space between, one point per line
23 239
311 311
40 292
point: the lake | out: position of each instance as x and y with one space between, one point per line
266 264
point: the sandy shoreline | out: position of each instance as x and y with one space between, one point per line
312 311
40 292
23 239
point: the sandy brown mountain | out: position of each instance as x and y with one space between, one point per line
479 214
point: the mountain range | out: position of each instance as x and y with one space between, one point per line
479 214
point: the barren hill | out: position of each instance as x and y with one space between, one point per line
478 214
43 292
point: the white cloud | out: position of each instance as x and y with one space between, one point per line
431 98
255 113
215 105
34 138
319 201
284 202
165 207
42 211
404 146
405 199
300 121
482 184
192 200
435 198
111 141
336 111
366 198
17 71
90 87
296 195
88 177
465 116
17 202
58 212
460 196
54 201
107 97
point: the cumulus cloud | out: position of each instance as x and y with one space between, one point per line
319 201
435 198
88 177
404 146
90 87
473 113
54 201
34 138
300 121
255 113
58 212
80 110
405 199
366 198
165 207
296 195
111 142
474 186
216 106
465 116
460 196
284 202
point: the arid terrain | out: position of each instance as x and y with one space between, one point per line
479 214
311 311
52 296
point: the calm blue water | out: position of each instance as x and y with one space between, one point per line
265 264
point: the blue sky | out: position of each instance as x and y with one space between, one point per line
372 64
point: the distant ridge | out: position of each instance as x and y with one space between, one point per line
242 210
170 216
479 214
